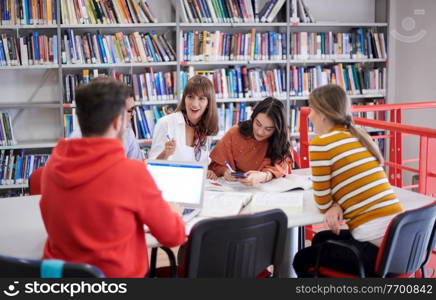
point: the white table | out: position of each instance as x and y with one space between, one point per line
22 231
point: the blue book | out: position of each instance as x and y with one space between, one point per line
206 11
36 46
25 12
28 159
145 122
141 123
103 54
157 80
242 112
300 80
239 82
157 115
150 47
55 49
18 175
71 45
54 12
2 54
346 82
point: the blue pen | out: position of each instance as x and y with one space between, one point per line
228 166
168 137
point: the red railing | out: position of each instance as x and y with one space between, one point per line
395 133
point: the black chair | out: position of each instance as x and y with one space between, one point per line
19 267
236 247
406 247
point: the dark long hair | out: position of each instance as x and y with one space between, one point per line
279 144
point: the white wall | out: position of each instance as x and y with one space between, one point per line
412 63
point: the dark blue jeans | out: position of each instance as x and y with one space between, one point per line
335 257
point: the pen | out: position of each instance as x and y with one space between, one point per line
228 166
168 137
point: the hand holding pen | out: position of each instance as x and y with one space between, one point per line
228 173
170 146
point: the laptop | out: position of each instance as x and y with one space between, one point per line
180 182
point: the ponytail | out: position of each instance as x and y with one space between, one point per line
366 140
332 101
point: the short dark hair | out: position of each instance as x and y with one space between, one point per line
99 103
279 143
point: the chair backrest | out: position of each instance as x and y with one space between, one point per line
35 182
19 267
406 242
236 247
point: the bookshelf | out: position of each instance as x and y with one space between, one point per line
41 105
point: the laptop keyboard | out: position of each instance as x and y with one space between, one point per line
189 213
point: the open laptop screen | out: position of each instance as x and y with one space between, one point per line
180 182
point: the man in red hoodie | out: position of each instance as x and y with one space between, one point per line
95 201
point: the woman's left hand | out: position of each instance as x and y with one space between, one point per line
253 178
333 218
211 175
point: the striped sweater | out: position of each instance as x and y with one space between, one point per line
345 172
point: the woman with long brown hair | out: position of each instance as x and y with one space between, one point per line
186 134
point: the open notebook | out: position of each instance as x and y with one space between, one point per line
278 185
218 204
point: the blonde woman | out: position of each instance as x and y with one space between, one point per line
349 183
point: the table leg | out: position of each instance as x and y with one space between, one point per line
292 245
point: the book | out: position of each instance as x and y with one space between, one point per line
278 185
291 202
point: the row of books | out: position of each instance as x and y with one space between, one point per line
373 115
91 48
219 46
16 168
242 82
34 49
147 86
253 45
28 12
294 120
229 11
7 137
361 43
300 13
353 78
106 12
231 114
146 117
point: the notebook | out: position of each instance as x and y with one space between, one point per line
278 185
217 204
180 182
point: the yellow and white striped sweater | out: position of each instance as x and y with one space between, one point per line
345 172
